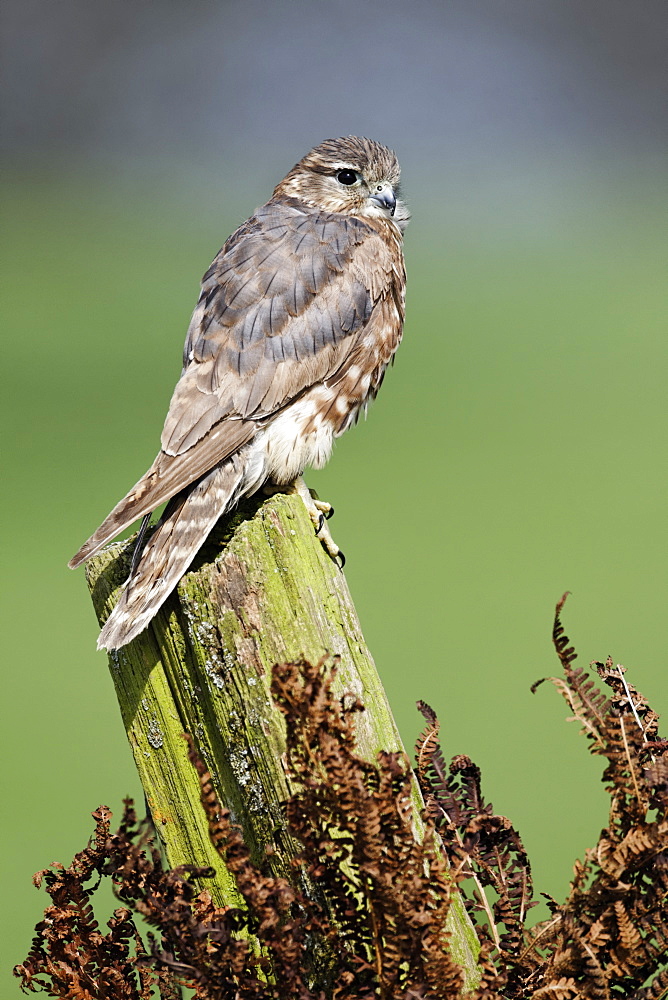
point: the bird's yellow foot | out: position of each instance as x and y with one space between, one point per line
319 511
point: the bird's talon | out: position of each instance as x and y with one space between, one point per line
321 505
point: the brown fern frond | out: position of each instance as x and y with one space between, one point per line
70 956
587 702
486 849
388 893
565 652
563 989
610 934
427 742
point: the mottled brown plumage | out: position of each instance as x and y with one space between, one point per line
299 315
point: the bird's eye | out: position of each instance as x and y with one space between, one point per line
346 177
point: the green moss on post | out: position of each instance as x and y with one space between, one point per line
261 591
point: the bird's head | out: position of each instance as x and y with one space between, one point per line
353 175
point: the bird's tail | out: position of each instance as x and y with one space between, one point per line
180 533
163 480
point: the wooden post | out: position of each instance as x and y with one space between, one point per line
261 591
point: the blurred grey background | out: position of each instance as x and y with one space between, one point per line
518 446
216 86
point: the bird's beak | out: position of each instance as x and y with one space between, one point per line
385 197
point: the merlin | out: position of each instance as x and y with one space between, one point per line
298 318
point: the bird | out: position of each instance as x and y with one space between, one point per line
298 318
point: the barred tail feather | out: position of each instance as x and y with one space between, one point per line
180 533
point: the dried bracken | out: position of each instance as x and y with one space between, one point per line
483 850
388 892
369 918
610 937
70 956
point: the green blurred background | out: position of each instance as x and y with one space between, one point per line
516 449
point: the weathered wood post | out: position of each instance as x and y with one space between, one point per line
261 591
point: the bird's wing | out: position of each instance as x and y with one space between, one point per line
279 311
281 308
